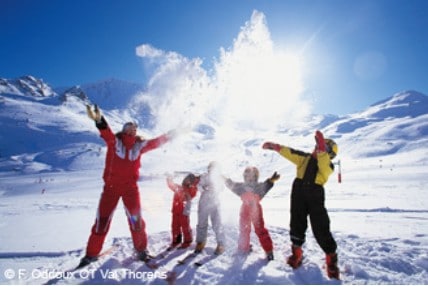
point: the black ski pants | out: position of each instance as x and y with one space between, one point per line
308 200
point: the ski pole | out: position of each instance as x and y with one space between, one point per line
339 175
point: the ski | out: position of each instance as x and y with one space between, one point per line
172 274
187 258
150 261
154 261
81 266
205 259
164 253
102 254
171 277
152 264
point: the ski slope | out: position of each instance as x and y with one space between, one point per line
379 218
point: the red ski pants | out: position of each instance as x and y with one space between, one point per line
108 202
180 227
252 213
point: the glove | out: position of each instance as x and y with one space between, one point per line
94 115
319 138
271 146
274 178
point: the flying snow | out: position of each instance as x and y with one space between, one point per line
252 85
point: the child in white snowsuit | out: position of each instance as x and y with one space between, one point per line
210 185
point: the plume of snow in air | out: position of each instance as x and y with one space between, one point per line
252 85
177 89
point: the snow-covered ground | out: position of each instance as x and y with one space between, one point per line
379 217
51 163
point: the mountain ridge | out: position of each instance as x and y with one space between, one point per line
40 119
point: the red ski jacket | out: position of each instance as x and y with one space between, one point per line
123 159
182 195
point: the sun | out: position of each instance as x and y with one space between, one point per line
261 86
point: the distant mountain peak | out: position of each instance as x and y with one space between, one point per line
404 97
26 86
75 91
403 104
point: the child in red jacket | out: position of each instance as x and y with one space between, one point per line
181 206
251 213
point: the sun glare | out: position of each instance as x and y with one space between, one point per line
263 87
254 85
291 67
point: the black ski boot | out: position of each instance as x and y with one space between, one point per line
269 255
144 256
86 261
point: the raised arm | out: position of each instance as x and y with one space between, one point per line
173 186
236 188
294 156
159 141
101 123
263 188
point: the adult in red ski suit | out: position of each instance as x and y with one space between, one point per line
181 230
251 193
121 173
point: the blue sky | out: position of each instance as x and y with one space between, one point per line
353 53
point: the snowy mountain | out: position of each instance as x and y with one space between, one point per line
408 104
26 86
398 123
35 117
51 162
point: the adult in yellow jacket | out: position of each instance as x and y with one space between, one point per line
307 199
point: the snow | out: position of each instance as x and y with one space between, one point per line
52 163
379 217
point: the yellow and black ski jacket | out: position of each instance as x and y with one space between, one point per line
310 170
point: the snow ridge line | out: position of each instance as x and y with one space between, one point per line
48 254
383 210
